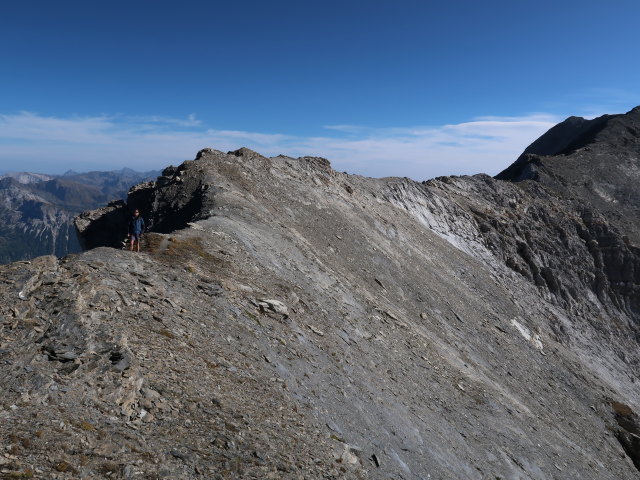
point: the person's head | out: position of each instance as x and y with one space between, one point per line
136 212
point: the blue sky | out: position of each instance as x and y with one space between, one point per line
406 88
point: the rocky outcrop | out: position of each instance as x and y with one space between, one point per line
166 204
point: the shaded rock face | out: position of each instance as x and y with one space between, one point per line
166 204
571 252
288 321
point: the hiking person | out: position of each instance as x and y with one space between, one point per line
136 228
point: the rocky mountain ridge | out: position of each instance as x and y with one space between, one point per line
27 177
289 321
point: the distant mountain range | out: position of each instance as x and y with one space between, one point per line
37 210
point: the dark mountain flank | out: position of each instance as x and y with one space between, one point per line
593 162
288 321
37 211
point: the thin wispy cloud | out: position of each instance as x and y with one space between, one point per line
51 144
156 121
596 101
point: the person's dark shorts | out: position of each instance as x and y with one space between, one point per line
135 237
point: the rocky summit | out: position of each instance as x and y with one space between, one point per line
593 161
288 321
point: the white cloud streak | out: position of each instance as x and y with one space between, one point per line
29 141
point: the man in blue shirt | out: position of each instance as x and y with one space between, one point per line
136 227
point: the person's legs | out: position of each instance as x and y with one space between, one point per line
135 239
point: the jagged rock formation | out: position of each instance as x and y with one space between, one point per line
290 321
37 210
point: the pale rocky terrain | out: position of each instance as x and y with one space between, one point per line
285 320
